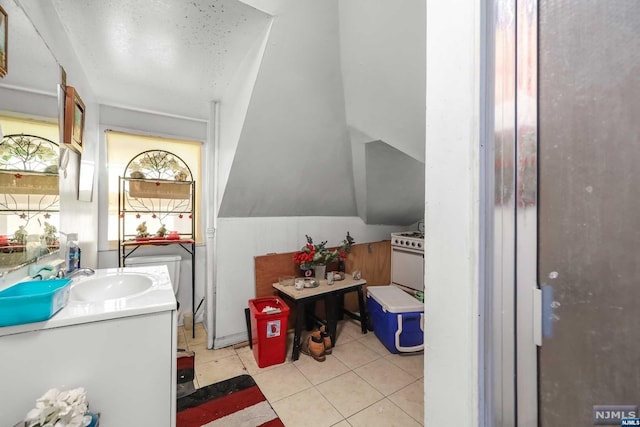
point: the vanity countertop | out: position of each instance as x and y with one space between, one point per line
160 297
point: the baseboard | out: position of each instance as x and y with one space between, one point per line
226 341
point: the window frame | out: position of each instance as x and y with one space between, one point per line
104 216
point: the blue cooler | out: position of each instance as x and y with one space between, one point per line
397 317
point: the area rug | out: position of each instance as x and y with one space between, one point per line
234 402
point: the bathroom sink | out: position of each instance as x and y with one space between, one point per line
112 286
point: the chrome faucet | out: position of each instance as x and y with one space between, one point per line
79 272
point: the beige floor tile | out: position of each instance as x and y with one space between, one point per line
354 354
342 423
204 355
343 338
251 365
201 335
371 341
242 348
382 414
413 363
349 327
319 372
386 377
218 370
411 400
349 393
307 408
280 382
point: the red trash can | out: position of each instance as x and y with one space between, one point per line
269 330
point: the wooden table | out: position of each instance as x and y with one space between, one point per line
302 298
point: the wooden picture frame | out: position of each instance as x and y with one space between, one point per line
4 41
74 111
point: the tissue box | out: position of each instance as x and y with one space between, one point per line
33 301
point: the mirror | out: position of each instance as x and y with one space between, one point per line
29 147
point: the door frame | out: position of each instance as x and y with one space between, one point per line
509 173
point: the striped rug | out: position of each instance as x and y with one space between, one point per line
234 402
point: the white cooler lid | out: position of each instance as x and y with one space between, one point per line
394 300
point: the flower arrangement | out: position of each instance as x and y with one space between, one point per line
60 409
345 247
312 254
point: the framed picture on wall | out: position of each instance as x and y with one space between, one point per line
73 120
4 36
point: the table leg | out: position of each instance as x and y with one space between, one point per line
363 310
340 306
330 308
300 320
310 311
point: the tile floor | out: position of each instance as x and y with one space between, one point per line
359 384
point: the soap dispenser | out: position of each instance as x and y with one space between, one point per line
72 252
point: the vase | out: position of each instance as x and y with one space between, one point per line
320 271
306 270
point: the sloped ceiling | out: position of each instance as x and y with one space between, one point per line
294 157
161 55
394 186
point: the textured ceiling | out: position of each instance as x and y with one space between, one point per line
161 55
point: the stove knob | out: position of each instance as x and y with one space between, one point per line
402 242
420 245
413 244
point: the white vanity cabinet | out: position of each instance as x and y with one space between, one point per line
125 358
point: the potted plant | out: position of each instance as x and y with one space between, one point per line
317 256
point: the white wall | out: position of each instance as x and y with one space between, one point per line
382 52
452 212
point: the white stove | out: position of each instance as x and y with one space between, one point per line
407 260
409 240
